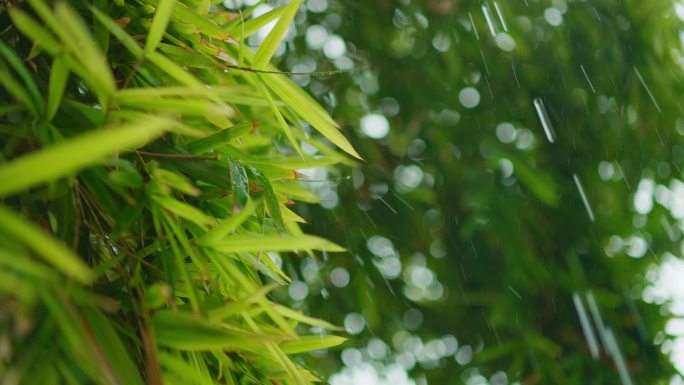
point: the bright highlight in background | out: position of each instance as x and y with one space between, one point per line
375 126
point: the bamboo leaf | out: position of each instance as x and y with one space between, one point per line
309 110
310 343
239 184
68 157
249 27
32 29
58 78
19 67
119 33
159 24
270 44
231 223
183 331
256 243
300 317
185 211
16 90
220 138
108 340
279 116
270 198
51 250
76 36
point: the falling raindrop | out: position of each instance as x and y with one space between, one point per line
544 118
584 197
490 19
586 326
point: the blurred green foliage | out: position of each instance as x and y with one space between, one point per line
480 210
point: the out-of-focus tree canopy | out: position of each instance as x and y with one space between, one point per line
479 241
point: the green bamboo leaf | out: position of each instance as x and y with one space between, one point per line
220 138
51 250
309 343
238 306
183 331
291 216
178 370
231 223
68 157
296 163
256 243
119 33
279 116
99 30
309 110
249 27
16 90
121 363
270 44
159 24
34 31
186 106
176 181
295 191
185 211
239 184
76 36
174 70
58 78
189 58
207 26
270 198
237 94
300 317
24 74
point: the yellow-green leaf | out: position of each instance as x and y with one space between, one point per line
45 246
256 243
58 79
159 23
68 157
309 343
270 44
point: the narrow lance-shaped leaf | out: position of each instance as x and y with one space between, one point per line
25 75
300 317
279 116
249 27
256 243
67 157
114 349
58 78
239 184
76 36
184 210
8 81
229 224
119 33
270 44
47 247
100 31
309 110
183 331
32 29
220 138
159 23
310 343
270 198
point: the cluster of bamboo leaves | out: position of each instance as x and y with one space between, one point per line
148 158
